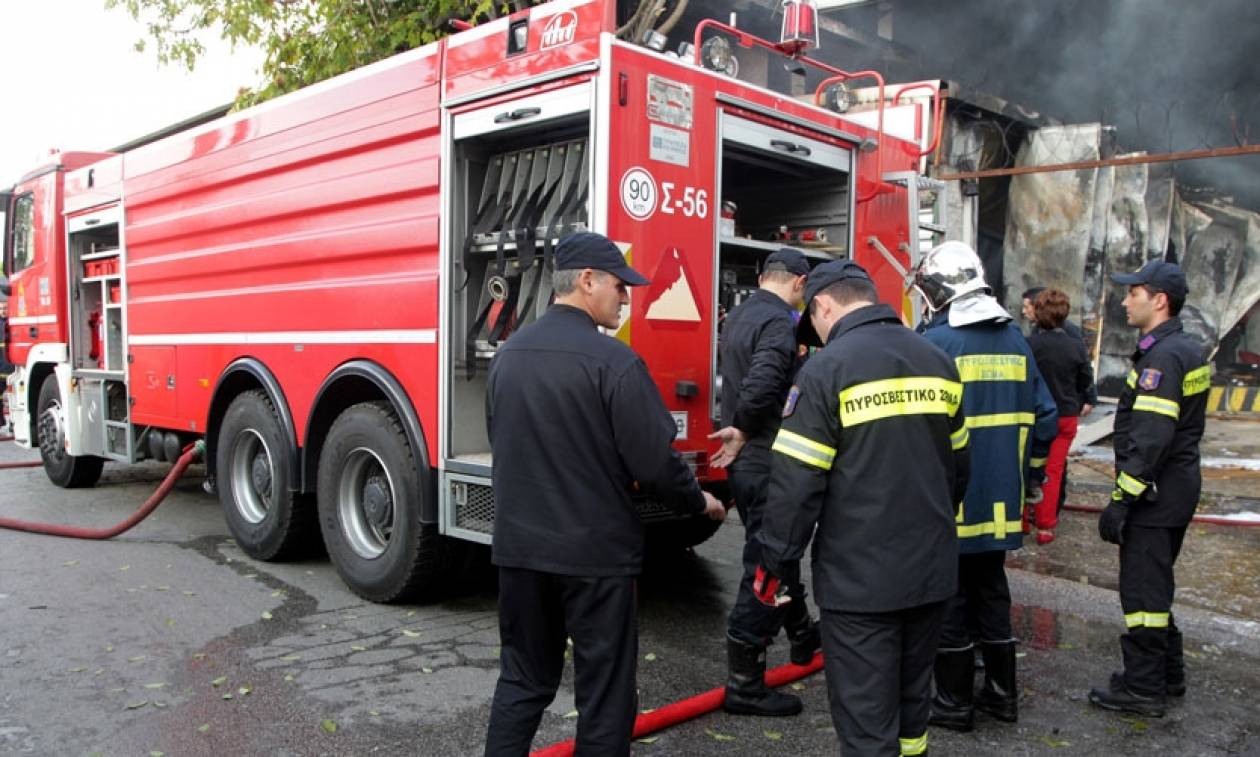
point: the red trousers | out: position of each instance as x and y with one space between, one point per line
1046 515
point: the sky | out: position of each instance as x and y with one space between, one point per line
75 82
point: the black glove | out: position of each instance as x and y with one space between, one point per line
1111 522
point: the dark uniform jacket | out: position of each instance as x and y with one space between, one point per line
574 421
758 360
1012 420
1065 368
1159 422
872 451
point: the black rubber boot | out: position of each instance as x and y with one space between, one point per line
1118 697
746 692
1000 695
802 631
952 707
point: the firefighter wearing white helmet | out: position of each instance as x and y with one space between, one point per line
1012 419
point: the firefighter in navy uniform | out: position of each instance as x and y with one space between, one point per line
758 365
1159 422
1012 419
575 421
873 452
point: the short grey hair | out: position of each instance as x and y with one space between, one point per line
565 281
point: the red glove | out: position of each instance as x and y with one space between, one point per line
768 589
1045 537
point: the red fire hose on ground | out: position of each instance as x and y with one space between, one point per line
692 707
191 453
704 703
1217 520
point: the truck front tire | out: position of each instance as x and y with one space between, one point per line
268 521
63 469
369 508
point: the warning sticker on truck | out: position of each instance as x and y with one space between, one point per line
669 102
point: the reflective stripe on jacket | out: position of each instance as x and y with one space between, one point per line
1159 422
872 453
1012 419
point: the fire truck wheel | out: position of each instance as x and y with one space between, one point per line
268 521
369 507
64 470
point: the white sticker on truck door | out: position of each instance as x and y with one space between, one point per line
670 145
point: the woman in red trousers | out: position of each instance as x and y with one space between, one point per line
1065 366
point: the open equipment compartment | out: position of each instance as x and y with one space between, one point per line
783 189
520 180
97 340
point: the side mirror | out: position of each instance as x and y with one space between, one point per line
5 289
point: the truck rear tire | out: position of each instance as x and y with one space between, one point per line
268 521
369 508
64 470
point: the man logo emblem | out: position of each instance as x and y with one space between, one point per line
560 30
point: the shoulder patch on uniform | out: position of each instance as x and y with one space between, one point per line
789 407
1150 378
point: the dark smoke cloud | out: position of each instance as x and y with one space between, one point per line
1170 75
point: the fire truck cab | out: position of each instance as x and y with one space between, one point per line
316 285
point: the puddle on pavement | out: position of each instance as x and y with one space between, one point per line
1043 628
1218 570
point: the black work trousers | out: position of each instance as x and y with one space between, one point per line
537 612
750 621
879 667
1153 656
983 602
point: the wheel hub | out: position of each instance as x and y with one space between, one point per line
365 503
251 475
260 473
52 442
377 504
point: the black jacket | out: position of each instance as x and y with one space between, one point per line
758 361
1159 422
1091 394
873 450
1065 368
574 421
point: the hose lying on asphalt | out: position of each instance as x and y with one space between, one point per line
191 453
692 707
1217 520
25 464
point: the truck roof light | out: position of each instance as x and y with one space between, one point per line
800 26
716 55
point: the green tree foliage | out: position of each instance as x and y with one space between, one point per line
304 41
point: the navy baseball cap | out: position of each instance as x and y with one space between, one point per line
586 249
1158 275
788 259
819 279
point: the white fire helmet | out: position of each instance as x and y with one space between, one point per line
948 272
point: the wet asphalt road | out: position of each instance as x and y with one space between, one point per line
168 640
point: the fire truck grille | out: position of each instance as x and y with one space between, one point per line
474 510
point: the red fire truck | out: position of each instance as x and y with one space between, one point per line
316 285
